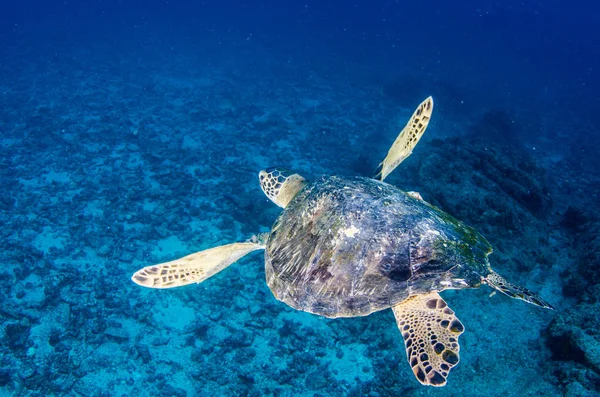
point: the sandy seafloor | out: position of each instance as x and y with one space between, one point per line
114 156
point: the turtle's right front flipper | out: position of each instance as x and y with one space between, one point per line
407 139
196 267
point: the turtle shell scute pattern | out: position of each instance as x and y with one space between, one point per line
350 247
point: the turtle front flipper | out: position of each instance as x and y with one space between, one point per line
196 267
496 281
406 140
430 331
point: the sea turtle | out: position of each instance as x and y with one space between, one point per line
347 247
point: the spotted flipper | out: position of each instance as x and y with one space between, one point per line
496 281
406 140
280 185
194 268
430 331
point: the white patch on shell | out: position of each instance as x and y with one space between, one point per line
351 231
456 282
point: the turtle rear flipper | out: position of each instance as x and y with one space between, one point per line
406 140
430 331
496 281
194 268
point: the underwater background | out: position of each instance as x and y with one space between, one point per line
132 132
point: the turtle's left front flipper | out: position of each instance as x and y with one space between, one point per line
430 331
406 140
196 267
496 281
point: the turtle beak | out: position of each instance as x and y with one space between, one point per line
262 175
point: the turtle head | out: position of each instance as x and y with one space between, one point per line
280 185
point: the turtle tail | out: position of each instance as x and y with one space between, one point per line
496 281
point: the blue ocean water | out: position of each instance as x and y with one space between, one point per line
132 132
